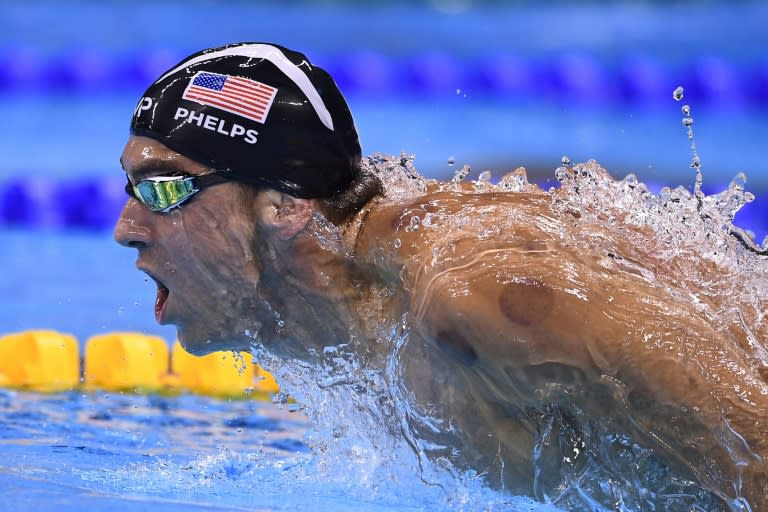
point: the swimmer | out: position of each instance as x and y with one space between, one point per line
252 209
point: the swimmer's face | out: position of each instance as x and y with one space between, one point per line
200 254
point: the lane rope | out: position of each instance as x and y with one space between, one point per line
50 361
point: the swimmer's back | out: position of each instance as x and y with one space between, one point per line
496 284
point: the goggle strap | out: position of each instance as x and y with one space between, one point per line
211 179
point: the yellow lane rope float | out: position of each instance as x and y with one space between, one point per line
49 361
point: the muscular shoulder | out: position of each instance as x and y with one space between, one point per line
483 271
443 226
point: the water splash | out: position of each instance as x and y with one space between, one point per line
461 175
365 437
367 423
695 160
398 175
671 213
483 181
515 181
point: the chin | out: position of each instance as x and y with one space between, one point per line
200 344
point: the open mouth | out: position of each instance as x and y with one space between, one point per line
160 299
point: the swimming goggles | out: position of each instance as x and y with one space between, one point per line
163 193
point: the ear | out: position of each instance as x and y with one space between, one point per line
284 214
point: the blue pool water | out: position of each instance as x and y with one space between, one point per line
79 283
97 451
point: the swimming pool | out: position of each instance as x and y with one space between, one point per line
97 451
106 450
77 451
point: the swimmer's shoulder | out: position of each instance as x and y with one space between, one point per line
397 215
394 232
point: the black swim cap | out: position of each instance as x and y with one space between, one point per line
259 111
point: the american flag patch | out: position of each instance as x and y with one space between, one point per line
246 98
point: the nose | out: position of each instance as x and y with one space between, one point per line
132 228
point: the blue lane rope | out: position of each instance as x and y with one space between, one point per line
94 204
91 204
571 77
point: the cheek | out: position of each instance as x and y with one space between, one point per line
221 253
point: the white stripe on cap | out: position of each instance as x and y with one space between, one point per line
276 57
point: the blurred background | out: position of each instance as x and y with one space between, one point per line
492 84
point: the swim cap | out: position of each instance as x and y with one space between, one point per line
259 111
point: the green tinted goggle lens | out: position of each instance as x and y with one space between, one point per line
162 193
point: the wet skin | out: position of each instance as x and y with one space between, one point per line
507 316
233 260
532 321
174 247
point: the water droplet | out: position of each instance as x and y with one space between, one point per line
451 160
460 174
686 109
677 94
516 181
696 163
398 243
687 121
738 182
631 180
565 160
280 398
414 224
458 91
484 176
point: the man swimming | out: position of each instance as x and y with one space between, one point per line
255 214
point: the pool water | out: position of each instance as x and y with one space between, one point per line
77 451
81 283
95 451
